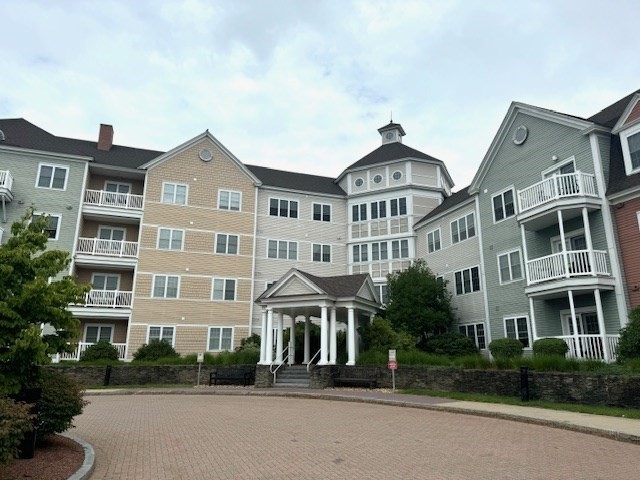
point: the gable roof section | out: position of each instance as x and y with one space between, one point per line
23 134
504 129
189 143
449 203
609 116
296 181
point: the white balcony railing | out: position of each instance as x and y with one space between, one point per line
556 187
82 346
591 346
577 263
6 180
112 248
108 298
113 199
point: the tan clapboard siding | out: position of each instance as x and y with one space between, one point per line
199 218
170 312
178 263
96 182
137 338
126 276
89 229
424 173
423 205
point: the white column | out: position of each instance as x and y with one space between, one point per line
263 338
563 246
279 338
292 341
587 236
603 333
525 254
324 350
574 322
333 345
269 348
307 339
534 329
351 336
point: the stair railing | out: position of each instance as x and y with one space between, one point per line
312 359
278 365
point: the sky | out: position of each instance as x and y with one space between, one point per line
304 85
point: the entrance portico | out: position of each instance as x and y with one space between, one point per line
326 301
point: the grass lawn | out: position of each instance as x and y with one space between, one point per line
570 407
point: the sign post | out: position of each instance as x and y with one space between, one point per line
393 366
200 361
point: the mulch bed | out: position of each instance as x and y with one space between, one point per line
57 458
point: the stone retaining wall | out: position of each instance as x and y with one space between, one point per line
613 390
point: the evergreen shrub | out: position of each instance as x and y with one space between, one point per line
506 348
102 350
155 350
550 346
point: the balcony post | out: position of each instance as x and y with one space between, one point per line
563 246
580 183
532 311
587 236
574 323
525 255
603 334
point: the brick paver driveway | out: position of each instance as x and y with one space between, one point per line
210 437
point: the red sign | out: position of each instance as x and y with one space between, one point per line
393 365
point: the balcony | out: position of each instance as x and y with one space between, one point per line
104 304
82 346
6 185
100 204
570 192
591 347
100 252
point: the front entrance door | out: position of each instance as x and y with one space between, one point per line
587 323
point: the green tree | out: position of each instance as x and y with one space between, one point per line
31 294
418 303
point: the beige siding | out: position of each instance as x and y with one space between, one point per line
424 174
295 287
90 228
97 182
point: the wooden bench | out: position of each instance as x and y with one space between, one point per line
356 377
245 375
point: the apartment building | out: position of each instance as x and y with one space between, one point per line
178 245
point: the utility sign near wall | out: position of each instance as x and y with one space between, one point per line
393 366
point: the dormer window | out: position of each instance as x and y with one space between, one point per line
634 150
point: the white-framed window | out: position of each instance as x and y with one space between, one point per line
463 228
223 289
359 212
503 205
378 209
398 206
321 253
105 281
279 207
518 327
117 193
433 241
170 239
53 224
220 338
228 200
282 249
174 193
322 212
400 249
476 332
440 280
107 232
379 251
383 293
161 333
96 332
630 141
467 280
510 266
52 176
586 321
561 168
361 253
166 286
117 187
227 244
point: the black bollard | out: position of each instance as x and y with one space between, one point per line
107 376
524 384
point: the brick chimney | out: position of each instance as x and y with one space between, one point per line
105 137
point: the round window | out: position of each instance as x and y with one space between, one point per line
397 175
205 155
377 179
359 182
520 135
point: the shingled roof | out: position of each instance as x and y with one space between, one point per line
20 133
296 181
390 152
339 286
448 203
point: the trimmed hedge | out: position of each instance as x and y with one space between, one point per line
102 350
550 346
506 348
155 350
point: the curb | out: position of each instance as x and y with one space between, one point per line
610 434
89 464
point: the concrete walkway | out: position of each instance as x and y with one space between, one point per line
233 433
622 429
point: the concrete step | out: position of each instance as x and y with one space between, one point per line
290 385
